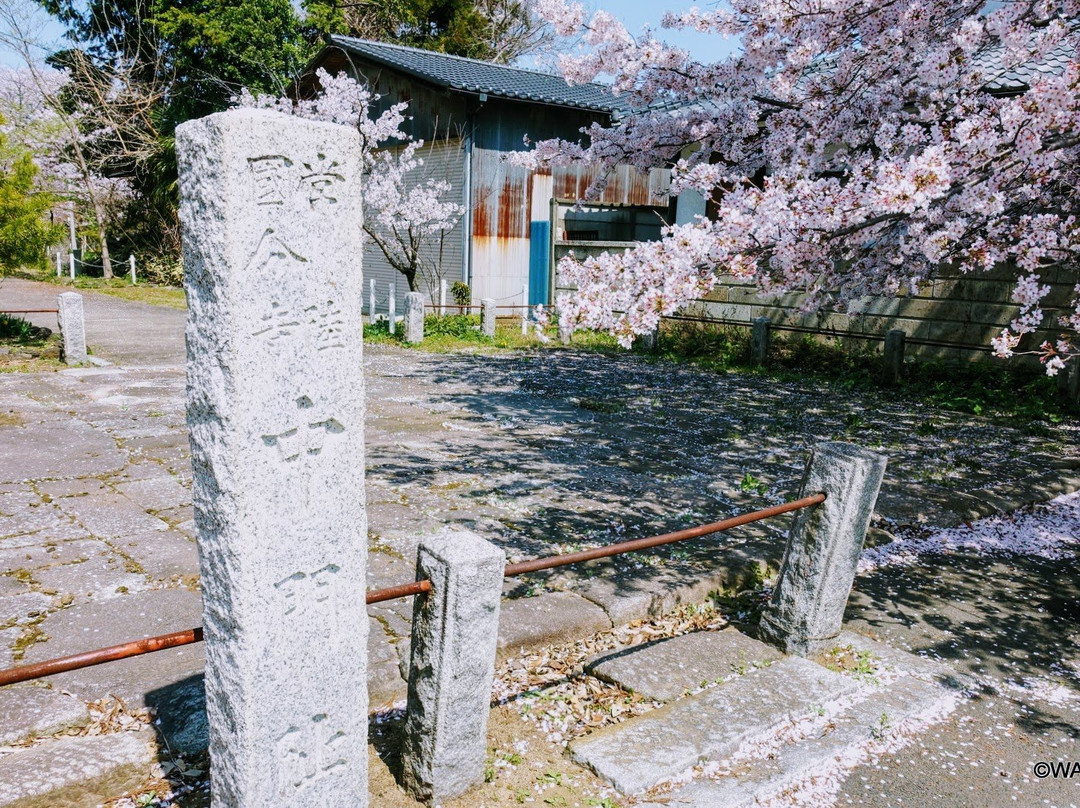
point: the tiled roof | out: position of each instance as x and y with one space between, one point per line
475 76
1018 79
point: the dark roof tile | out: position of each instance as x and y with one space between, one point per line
475 76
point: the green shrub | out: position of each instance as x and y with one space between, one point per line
461 293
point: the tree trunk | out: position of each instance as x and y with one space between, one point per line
411 278
106 264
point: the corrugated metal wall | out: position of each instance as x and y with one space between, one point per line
508 200
444 161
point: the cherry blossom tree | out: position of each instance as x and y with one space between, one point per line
849 149
406 212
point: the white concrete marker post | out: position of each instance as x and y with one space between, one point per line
414 318
371 301
72 325
59 272
442 297
391 308
525 310
131 263
71 263
455 631
275 412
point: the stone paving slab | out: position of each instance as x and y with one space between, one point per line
549 618
829 754
122 619
30 710
666 669
75 772
643 751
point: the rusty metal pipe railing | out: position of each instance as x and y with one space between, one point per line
400 591
523 567
30 311
90 658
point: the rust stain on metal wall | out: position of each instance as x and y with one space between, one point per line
625 185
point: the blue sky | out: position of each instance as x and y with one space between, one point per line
633 13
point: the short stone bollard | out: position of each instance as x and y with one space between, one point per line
894 355
454 635
807 607
275 413
72 326
759 341
414 317
487 317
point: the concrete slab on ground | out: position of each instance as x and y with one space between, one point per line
643 751
75 772
666 669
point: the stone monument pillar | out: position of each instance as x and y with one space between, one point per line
487 317
807 607
414 317
271 214
72 325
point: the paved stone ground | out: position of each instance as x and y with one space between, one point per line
539 453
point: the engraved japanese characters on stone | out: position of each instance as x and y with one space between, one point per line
302 589
320 324
308 436
273 181
308 753
319 178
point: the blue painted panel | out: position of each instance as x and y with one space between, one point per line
539 260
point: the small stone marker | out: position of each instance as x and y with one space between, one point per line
71 264
72 326
414 317
524 309
759 341
807 607
371 301
454 634
894 355
391 308
275 404
487 317
131 263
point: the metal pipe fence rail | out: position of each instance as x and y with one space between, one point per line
30 311
88 659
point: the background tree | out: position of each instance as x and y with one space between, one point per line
494 30
26 231
850 149
406 213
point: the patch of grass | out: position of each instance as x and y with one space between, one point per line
156 295
461 332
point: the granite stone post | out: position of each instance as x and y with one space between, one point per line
275 412
487 317
71 264
524 309
818 569
131 264
759 341
59 271
391 309
454 635
72 326
414 317
894 355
